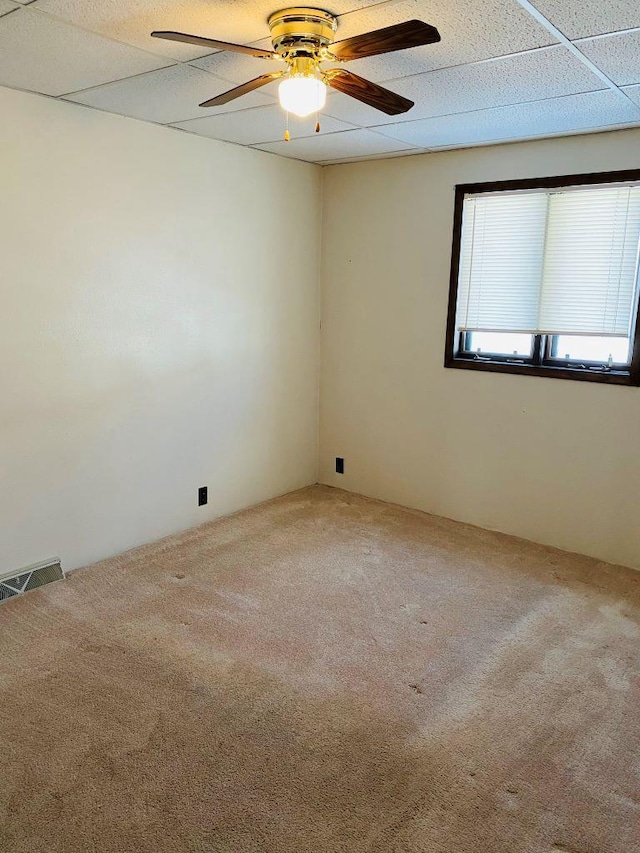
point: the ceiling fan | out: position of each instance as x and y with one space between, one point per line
303 39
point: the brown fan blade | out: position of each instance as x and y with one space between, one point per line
225 97
367 92
214 44
397 37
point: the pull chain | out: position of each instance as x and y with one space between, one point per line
287 135
317 116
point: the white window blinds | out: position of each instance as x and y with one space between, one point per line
550 261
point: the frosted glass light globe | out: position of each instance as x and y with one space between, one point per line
302 95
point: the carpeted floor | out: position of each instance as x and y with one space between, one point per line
324 673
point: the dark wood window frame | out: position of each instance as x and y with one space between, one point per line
540 362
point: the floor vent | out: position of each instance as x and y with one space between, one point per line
30 577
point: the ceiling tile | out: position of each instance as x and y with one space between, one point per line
530 76
618 56
579 18
542 118
7 6
409 152
633 92
166 96
470 30
334 146
262 124
340 106
48 56
131 21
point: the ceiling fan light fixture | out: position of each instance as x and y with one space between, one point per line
302 94
302 39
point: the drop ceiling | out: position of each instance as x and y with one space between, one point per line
505 70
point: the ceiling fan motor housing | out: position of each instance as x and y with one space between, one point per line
301 32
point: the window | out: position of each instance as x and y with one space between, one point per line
545 279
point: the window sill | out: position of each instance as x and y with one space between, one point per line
612 377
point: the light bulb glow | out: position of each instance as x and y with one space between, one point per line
302 95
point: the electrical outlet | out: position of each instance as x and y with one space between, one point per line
202 496
339 465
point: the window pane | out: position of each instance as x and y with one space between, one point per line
499 343
592 348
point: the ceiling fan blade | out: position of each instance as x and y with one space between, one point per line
396 37
214 44
369 93
244 89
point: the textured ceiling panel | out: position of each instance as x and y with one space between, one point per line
543 118
618 56
131 21
408 152
530 76
350 143
470 30
7 6
579 18
633 92
49 56
262 124
170 95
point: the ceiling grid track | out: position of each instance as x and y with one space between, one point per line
571 46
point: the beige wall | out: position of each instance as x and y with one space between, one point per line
152 341
553 461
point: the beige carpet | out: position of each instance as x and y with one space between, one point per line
324 673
